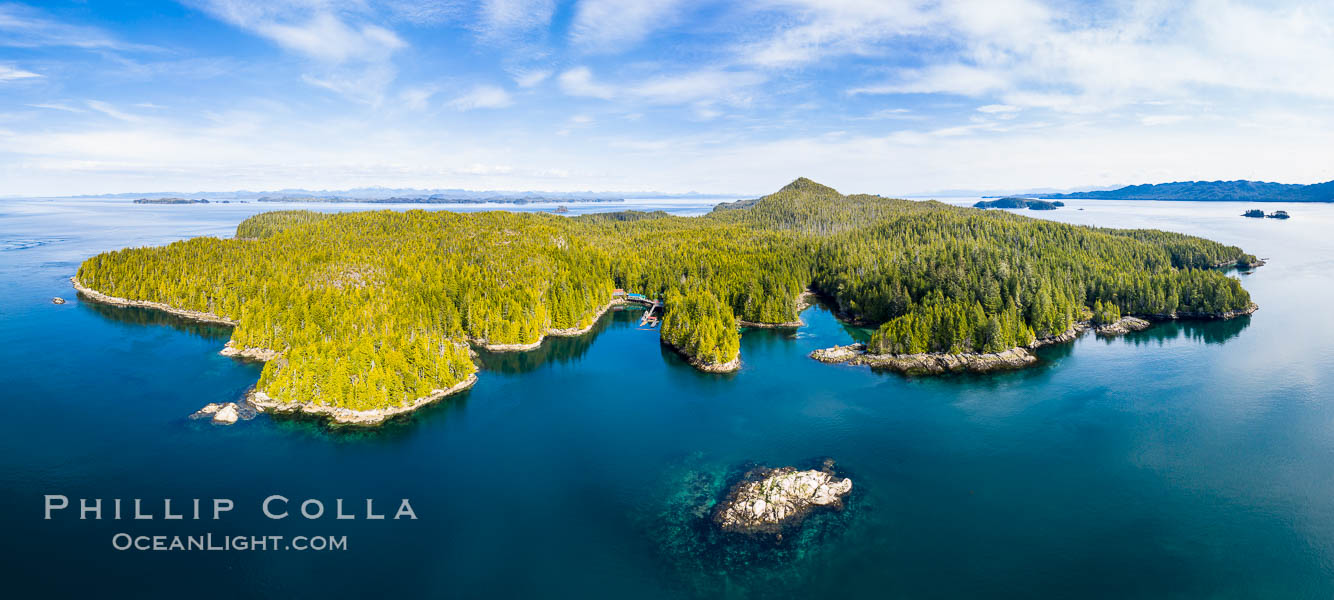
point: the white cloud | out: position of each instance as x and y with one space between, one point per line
948 79
482 96
1152 120
26 27
608 25
12 73
113 112
998 108
527 79
351 58
579 82
704 86
57 106
417 98
817 29
501 18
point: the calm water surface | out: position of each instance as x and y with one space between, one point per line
1191 460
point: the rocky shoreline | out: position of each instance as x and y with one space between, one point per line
194 315
348 416
1123 326
566 332
766 501
259 354
936 363
933 363
803 301
708 367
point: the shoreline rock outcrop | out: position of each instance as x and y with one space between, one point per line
927 363
194 315
227 413
708 367
348 416
553 332
768 500
1123 326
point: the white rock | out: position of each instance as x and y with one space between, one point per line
226 415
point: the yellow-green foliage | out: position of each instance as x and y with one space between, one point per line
702 326
374 309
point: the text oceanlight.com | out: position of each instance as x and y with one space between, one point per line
209 542
275 507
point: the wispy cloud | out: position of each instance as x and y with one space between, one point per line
579 82
701 86
25 27
611 25
352 57
57 106
504 18
531 78
11 73
113 112
482 96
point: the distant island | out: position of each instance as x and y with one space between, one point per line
388 322
1256 213
170 201
1017 202
1210 191
439 199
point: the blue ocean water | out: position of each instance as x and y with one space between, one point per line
1192 460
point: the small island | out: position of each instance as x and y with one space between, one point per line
170 201
767 501
388 323
1017 202
1256 213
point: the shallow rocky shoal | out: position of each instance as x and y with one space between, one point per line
766 500
927 363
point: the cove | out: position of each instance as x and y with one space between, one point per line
1193 455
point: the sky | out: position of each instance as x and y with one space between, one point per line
874 96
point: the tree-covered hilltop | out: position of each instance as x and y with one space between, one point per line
375 309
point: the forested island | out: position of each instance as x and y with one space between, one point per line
361 315
1017 202
170 201
1218 191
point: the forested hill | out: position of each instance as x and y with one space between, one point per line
1239 191
374 309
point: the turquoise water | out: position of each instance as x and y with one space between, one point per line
1191 460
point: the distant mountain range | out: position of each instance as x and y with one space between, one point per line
1238 191
383 194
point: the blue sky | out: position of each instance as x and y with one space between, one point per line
672 95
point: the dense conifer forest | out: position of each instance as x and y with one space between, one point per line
374 309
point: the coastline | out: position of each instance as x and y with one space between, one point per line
566 332
194 315
1018 357
803 302
348 416
343 416
730 366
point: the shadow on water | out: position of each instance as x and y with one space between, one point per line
704 561
396 429
1207 331
554 349
132 315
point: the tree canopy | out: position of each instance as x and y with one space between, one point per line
374 309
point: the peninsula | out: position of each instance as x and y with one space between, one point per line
1210 191
360 316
